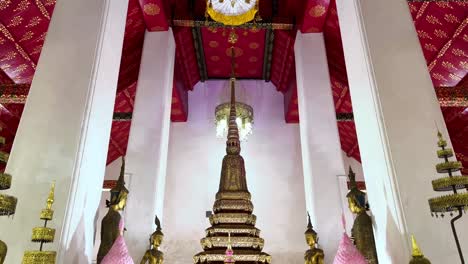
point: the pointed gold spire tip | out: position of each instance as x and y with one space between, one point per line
416 250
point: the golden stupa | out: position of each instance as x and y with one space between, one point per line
232 223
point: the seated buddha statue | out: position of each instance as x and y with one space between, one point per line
110 223
3 251
153 255
362 231
314 255
417 256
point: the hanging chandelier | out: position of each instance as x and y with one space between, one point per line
244 112
232 12
244 119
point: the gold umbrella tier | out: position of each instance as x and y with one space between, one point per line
448 183
5 181
43 234
39 257
448 203
236 242
7 204
233 205
233 218
233 230
240 256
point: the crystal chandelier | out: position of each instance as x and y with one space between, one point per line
244 119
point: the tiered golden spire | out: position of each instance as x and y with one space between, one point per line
43 235
233 207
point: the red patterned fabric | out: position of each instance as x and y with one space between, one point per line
156 14
249 52
314 16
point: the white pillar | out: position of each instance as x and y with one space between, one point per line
64 131
321 149
396 112
149 139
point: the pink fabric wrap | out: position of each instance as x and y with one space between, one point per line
348 253
118 254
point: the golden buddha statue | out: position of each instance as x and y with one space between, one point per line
314 255
153 255
417 256
110 223
362 232
232 221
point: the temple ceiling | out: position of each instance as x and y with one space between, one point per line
263 52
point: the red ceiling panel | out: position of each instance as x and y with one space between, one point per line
186 59
119 138
283 64
249 52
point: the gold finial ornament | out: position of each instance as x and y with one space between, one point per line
43 235
417 255
110 223
233 207
314 255
7 202
153 255
458 200
362 231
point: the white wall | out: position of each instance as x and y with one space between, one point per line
274 174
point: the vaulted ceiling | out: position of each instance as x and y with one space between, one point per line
265 52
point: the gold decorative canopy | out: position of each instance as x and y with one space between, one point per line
233 208
232 12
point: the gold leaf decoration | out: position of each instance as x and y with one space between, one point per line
317 11
151 9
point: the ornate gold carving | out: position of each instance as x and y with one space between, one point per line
238 257
43 234
238 205
449 165
448 203
39 257
236 242
151 9
233 218
447 183
251 231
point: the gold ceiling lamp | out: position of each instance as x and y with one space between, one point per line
232 12
458 200
43 235
7 202
232 221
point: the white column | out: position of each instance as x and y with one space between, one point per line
321 149
396 113
64 131
149 139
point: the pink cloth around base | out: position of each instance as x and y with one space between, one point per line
118 254
348 253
